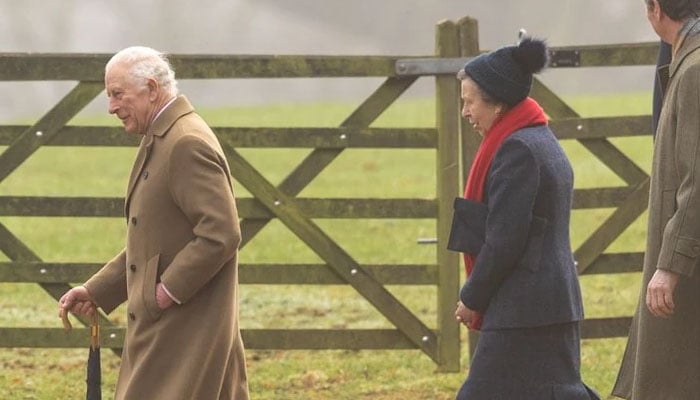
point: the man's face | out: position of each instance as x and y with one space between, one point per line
128 100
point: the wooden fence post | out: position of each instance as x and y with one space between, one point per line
447 119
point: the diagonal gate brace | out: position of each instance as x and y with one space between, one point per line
47 127
16 250
341 262
319 159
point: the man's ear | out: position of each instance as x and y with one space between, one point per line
153 89
655 10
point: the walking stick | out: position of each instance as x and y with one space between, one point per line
94 369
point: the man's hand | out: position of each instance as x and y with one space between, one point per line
162 298
464 314
660 293
78 301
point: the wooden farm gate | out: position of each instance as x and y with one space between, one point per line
455 42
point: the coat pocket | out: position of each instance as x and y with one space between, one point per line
149 288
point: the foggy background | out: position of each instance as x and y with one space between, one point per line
333 27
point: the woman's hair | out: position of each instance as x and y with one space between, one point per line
145 63
677 10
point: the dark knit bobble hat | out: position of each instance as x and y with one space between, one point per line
506 74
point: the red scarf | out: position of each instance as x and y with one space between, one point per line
524 114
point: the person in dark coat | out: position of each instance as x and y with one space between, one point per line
662 356
522 289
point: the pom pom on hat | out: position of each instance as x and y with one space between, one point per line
506 74
531 54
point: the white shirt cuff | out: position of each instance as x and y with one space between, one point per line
170 294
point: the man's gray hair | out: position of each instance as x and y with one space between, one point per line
145 63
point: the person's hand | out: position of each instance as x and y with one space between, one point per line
78 301
464 314
162 298
660 293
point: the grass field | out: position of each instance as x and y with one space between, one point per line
377 375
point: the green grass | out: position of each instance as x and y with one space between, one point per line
382 375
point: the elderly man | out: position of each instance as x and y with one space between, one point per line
662 359
178 270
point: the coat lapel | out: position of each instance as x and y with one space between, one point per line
181 106
139 163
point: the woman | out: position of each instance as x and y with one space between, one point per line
522 290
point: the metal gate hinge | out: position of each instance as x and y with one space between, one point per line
428 66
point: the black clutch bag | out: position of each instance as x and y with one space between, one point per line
468 226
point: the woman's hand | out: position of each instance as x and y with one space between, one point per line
464 314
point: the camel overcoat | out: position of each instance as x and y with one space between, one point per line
183 230
662 358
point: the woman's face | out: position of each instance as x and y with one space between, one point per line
481 114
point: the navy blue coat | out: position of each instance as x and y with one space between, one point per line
524 274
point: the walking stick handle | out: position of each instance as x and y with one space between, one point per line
66 322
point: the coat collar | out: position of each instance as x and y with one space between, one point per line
689 44
174 111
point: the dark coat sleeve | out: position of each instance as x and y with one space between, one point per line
512 188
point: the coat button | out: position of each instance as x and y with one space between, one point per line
132 267
133 220
132 316
145 175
